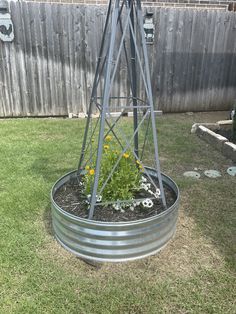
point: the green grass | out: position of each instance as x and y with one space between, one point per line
195 273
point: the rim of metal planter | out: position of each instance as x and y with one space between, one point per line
125 240
112 222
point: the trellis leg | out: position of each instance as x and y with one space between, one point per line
93 91
134 79
154 131
104 108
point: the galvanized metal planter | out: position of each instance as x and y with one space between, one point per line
114 241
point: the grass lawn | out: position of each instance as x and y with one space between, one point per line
195 273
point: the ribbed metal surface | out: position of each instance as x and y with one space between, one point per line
114 241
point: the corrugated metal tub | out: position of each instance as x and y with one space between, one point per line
114 241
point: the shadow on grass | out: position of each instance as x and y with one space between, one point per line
47 220
48 170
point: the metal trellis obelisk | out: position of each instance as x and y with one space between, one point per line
123 37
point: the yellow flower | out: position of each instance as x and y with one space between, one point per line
91 172
138 162
125 155
87 167
106 146
108 138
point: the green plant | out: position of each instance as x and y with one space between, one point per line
124 181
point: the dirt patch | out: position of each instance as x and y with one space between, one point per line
186 254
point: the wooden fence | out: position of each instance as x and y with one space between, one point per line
49 68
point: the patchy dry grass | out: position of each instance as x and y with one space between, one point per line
195 273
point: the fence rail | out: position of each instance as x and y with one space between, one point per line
48 69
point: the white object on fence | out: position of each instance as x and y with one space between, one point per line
6 24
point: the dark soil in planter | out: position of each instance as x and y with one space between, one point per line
227 134
71 199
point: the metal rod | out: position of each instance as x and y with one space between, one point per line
131 107
123 108
91 136
135 156
123 136
104 62
134 78
109 130
119 50
127 60
117 97
104 108
123 151
139 19
139 59
145 137
93 91
124 97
